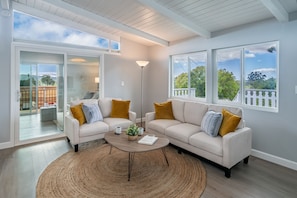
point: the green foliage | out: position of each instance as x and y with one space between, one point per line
132 130
228 87
197 80
28 81
256 80
181 81
47 80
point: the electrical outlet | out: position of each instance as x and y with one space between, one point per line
123 83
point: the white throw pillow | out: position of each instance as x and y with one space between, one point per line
211 123
92 113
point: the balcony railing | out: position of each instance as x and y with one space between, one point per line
184 92
252 97
261 97
34 99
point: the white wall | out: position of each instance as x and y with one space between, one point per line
123 68
273 133
5 40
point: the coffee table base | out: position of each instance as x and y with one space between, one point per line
131 160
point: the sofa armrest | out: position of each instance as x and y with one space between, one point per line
236 146
132 116
72 129
150 116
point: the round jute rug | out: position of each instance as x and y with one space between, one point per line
96 173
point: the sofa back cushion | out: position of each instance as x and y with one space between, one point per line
105 105
178 107
194 112
235 110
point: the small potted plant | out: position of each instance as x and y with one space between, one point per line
132 132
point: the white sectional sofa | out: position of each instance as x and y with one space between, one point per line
77 134
185 132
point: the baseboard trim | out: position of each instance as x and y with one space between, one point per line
6 145
274 159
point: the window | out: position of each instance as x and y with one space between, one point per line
248 75
31 28
188 75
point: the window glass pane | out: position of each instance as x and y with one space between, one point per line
115 45
189 75
260 63
229 74
27 27
248 75
180 75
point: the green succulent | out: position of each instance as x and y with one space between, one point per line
132 130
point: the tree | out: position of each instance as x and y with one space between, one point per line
181 81
27 82
228 87
47 80
197 80
257 80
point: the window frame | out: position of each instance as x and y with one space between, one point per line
171 77
241 102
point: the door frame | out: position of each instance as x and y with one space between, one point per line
16 48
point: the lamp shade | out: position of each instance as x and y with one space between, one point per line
142 63
96 79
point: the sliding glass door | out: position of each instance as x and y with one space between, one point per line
41 95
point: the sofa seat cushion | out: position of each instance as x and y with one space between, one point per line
182 132
93 129
161 124
207 143
117 122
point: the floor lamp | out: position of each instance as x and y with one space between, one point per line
141 64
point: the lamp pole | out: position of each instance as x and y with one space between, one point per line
141 95
142 64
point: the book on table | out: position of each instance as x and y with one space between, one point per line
148 139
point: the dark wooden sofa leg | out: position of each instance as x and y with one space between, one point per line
227 172
76 148
68 140
246 160
179 151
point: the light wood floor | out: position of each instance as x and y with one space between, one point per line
21 166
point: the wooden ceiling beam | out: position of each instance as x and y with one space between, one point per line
108 22
194 27
276 8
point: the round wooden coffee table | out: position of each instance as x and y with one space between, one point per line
121 142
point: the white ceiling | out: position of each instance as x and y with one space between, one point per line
159 22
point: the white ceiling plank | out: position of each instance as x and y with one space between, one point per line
107 21
276 8
177 18
5 4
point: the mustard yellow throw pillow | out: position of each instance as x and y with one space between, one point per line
229 123
164 110
78 113
120 109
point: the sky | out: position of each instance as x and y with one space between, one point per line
33 28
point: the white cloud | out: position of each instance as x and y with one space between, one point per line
249 55
37 29
265 70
